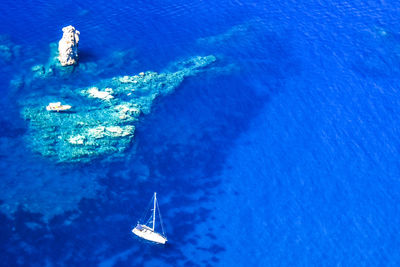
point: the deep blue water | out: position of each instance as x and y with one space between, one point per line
289 158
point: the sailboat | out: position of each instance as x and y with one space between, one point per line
147 230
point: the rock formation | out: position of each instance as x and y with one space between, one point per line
105 114
68 46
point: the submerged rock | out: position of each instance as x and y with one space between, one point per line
95 93
104 116
68 46
8 50
5 53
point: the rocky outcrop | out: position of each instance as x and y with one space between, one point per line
68 46
105 114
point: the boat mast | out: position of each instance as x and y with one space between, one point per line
154 209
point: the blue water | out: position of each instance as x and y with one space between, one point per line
289 158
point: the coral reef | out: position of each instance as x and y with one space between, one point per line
68 46
104 116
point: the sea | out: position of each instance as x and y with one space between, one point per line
286 155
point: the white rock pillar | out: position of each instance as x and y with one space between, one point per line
68 46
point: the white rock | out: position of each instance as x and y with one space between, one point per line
68 46
128 79
127 110
77 139
117 131
94 92
97 132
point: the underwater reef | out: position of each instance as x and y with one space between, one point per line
103 116
107 105
8 50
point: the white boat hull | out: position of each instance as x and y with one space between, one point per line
147 233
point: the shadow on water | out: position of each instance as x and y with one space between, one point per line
182 147
8 129
188 161
87 55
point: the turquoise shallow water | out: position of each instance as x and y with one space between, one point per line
284 155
